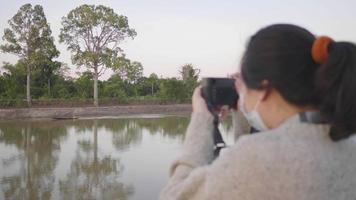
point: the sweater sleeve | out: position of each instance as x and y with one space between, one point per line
189 172
197 153
240 173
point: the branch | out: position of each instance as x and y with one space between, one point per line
88 40
102 71
102 35
92 37
87 44
109 37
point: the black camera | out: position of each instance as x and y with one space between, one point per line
219 92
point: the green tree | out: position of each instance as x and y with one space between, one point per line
64 88
143 87
148 85
189 75
188 71
172 90
114 88
29 37
13 81
63 85
134 72
45 75
130 72
93 34
82 85
154 83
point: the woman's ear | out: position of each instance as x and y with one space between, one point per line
266 90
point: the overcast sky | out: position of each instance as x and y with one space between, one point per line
209 34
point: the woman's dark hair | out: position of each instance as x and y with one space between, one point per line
281 54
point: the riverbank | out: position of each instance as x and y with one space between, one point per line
81 112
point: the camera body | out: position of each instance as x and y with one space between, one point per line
219 92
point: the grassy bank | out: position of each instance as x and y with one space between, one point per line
78 102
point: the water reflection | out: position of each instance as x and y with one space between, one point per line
36 158
85 159
91 177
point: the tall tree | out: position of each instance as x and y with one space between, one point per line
29 37
93 34
190 76
189 72
154 81
128 71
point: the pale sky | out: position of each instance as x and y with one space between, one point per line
209 34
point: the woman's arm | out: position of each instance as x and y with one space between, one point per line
198 147
188 172
198 151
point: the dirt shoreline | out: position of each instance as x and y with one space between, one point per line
82 112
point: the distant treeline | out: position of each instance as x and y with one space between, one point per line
57 89
93 34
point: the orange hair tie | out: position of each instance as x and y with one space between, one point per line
320 49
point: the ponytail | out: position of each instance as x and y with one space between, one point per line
336 87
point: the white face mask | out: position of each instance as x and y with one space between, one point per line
253 117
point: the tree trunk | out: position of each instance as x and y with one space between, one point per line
152 90
96 101
28 86
49 87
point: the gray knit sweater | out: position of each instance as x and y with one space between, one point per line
294 161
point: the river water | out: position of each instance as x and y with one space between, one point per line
102 158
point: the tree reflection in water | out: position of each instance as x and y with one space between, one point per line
93 173
128 132
125 132
37 156
91 177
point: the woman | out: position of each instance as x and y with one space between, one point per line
287 75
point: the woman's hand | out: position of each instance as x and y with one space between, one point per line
200 106
198 103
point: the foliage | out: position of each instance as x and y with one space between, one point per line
114 88
29 37
93 34
190 76
83 85
173 90
129 71
188 72
13 81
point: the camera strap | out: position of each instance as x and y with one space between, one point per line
217 138
219 142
